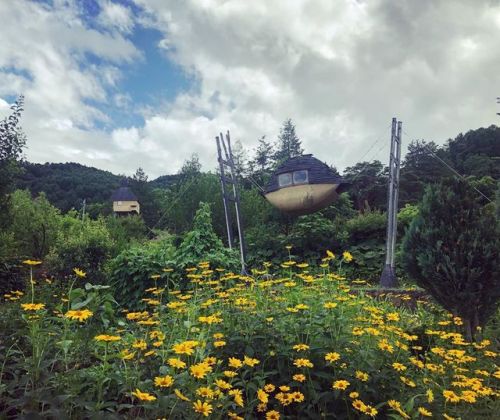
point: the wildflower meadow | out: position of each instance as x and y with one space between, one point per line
285 341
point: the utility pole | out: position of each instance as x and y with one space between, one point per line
388 278
226 159
84 204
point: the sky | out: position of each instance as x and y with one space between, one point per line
122 84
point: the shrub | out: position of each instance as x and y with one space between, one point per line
365 226
451 249
201 243
34 224
81 244
131 271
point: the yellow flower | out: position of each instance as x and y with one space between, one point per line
176 363
262 396
370 411
32 262
221 384
354 395
220 343
330 254
235 363
180 395
408 382
450 396
79 272
81 315
424 412
359 405
384 345
399 367
106 337
250 362
143 396
301 347
299 377
297 396
332 357
303 363
205 392
230 373
139 344
203 408
238 396
33 306
186 347
126 355
393 316
341 384
218 336
272 415
330 305
269 388
346 255
164 381
430 395
362 376
200 370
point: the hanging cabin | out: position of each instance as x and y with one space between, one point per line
303 185
125 201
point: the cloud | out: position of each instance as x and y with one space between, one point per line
65 69
340 69
116 16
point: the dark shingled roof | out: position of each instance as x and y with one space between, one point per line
124 193
319 172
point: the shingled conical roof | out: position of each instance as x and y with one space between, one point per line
124 193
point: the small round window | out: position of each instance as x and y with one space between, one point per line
285 180
300 177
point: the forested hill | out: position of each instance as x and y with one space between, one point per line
67 184
474 154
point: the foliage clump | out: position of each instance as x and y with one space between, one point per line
451 249
202 243
132 271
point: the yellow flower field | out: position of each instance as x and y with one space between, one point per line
294 343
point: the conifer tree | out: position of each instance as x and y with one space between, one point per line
288 145
451 250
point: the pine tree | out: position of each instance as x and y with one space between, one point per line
451 250
288 145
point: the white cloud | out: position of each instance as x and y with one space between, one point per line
340 69
44 54
115 16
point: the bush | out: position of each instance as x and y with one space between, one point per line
451 249
314 233
131 271
34 224
126 231
366 226
202 244
86 245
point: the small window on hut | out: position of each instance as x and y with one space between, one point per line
300 177
284 180
120 203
